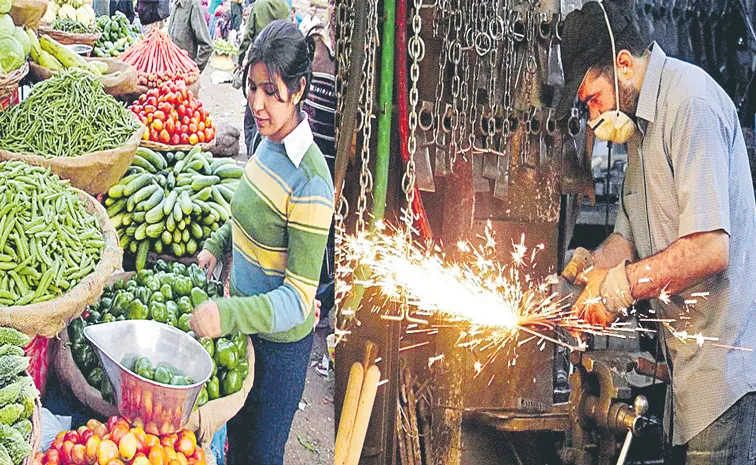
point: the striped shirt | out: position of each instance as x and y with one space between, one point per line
280 216
688 173
320 106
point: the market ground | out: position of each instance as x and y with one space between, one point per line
312 437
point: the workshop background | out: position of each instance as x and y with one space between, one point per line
447 106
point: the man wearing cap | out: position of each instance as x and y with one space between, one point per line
686 228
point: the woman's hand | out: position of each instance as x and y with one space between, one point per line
205 321
207 261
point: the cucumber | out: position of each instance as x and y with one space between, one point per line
219 199
169 202
154 231
153 158
141 256
116 191
157 246
136 184
229 172
221 162
195 230
222 213
201 182
186 203
141 232
166 237
154 215
154 200
204 194
116 208
144 164
225 191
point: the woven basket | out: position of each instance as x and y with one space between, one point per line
159 147
9 82
36 434
70 38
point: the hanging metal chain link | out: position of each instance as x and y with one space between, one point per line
366 113
344 27
443 25
416 50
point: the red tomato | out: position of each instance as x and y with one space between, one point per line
203 113
184 138
150 118
85 435
175 139
142 99
143 119
66 451
193 139
201 136
152 101
159 115
149 109
185 120
154 136
189 95
174 114
170 125
72 436
181 110
209 134
157 125
136 108
201 126
185 129
192 128
165 137
208 122
197 115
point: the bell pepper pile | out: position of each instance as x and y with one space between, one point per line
160 374
168 294
158 60
119 443
173 115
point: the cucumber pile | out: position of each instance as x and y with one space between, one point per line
170 204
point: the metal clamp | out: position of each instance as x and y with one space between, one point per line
544 26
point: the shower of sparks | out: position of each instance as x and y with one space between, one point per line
498 305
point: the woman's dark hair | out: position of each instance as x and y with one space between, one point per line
285 52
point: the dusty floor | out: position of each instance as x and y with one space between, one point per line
312 436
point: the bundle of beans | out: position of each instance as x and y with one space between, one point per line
157 60
68 115
49 242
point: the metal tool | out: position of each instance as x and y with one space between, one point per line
423 169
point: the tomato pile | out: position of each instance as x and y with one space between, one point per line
173 115
118 443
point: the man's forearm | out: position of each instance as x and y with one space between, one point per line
615 249
685 263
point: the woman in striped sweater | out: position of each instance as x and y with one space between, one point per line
281 213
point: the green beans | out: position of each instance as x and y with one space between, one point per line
68 115
48 241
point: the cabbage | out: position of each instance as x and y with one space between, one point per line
6 25
85 15
20 35
5 6
67 11
11 54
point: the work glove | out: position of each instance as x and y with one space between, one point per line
581 261
606 296
615 289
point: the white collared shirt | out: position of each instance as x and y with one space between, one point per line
298 142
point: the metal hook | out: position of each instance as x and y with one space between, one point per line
446 121
425 118
517 28
544 26
573 124
550 125
559 26
533 122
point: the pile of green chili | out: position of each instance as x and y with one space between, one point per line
68 115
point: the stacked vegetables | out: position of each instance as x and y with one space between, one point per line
171 207
117 35
71 25
49 242
159 60
119 443
66 116
173 115
14 42
168 295
224 47
162 374
77 10
17 398
50 54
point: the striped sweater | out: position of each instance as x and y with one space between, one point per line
280 217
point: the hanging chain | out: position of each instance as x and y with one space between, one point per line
366 115
441 21
530 70
344 27
417 53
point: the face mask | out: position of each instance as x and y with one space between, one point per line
613 125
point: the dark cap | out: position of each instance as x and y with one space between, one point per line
585 43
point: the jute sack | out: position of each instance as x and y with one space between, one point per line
36 433
28 12
208 419
119 80
94 172
48 318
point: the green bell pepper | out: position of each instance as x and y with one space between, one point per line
240 342
203 397
143 294
215 369
157 297
243 367
213 388
95 377
198 277
76 331
119 285
105 304
108 318
182 285
225 354
208 344
178 268
94 317
121 302
185 305
166 279
163 375
138 311
132 285
166 291
142 275
232 382
183 322
159 312
152 283
84 357
198 296
172 321
172 307
161 265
